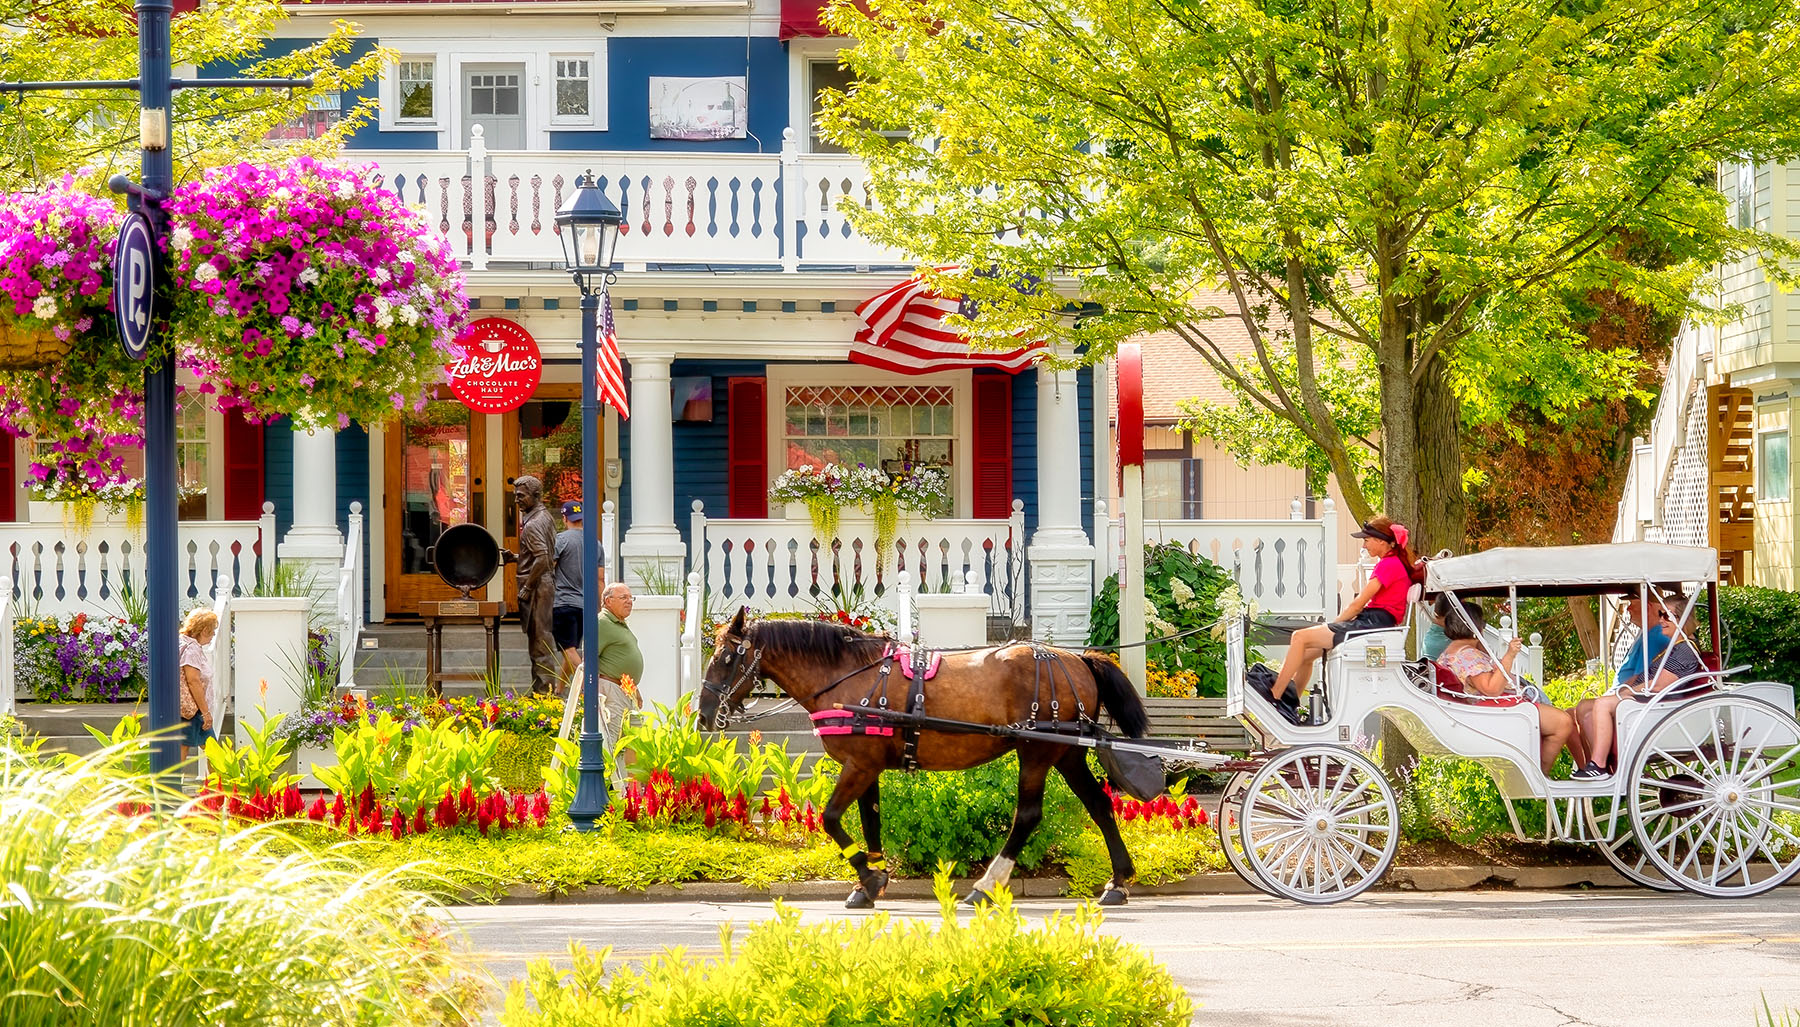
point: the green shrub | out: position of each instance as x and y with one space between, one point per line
996 969
519 760
1183 591
117 918
963 817
1161 855
1762 629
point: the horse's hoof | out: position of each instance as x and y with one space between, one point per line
1114 897
859 899
876 884
979 898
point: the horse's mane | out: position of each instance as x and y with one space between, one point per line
815 641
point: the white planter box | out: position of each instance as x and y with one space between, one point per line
953 621
268 638
44 512
305 757
656 621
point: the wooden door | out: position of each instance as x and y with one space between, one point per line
436 471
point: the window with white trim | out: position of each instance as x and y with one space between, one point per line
1743 207
415 91
891 427
1772 467
574 84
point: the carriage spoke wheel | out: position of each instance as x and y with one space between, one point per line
1319 824
1609 822
1714 794
1226 823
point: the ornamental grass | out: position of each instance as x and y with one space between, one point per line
114 915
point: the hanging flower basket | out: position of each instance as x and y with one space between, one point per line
64 380
55 272
306 290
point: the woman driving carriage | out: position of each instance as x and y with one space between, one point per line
1646 671
1469 659
1381 604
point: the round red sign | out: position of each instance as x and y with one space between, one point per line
499 367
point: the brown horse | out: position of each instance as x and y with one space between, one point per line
823 665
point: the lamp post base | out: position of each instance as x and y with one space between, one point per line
590 786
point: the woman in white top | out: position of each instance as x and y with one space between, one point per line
196 679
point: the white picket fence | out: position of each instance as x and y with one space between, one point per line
776 564
60 568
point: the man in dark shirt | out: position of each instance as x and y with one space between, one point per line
537 563
567 624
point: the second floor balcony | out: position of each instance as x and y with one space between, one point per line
777 211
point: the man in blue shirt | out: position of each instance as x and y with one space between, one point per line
1596 716
566 613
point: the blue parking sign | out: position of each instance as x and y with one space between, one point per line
134 284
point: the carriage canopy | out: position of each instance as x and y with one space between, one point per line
1572 570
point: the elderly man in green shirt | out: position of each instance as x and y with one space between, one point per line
619 659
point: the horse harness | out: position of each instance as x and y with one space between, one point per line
866 717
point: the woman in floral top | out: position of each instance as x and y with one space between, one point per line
1480 673
196 679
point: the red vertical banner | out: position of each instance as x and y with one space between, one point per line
1131 404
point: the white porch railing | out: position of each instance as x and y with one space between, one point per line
350 599
8 674
776 564
1286 566
57 568
703 209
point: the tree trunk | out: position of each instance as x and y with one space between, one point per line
1437 417
1587 626
1399 449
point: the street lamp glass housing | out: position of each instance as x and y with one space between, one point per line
589 225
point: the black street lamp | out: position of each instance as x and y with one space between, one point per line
589 225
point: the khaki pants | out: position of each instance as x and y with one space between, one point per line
614 704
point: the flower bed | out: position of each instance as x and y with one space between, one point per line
91 658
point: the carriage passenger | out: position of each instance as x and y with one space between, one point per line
1639 676
1381 604
1474 666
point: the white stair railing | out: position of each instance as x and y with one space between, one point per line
8 680
218 657
350 599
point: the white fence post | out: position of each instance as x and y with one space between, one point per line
218 655
903 590
793 201
1105 565
1016 576
609 540
478 209
350 598
697 539
8 679
1328 547
265 563
690 636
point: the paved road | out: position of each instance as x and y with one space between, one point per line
1467 959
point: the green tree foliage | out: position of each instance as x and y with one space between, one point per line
1181 595
1427 184
44 135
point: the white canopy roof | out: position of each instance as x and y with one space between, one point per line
1572 569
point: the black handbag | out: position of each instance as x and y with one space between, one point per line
1137 774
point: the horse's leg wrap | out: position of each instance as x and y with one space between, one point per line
871 879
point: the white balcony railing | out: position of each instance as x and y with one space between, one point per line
771 210
777 565
1287 567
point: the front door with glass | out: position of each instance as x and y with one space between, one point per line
436 477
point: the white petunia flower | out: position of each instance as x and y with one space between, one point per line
44 307
205 273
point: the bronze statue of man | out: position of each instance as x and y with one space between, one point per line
537 586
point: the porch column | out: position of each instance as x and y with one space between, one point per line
313 543
652 551
1061 556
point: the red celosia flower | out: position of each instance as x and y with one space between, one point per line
419 824
317 810
399 826
445 817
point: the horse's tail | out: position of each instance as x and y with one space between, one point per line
1117 694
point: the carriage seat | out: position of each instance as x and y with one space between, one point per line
1439 681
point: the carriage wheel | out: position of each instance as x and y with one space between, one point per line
1319 824
1609 821
1715 796
1226 825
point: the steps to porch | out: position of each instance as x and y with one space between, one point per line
399 656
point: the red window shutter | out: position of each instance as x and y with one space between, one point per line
243 467
747 450
9 478
992 466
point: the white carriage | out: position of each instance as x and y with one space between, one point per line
1707 794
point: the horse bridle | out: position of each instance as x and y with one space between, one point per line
746 671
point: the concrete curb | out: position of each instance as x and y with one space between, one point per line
1431 879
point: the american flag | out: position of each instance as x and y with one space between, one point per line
903 331
608 376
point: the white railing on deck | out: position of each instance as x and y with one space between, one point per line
58 568
1286 566
776 564
1653 458
350 598
8 676
680 208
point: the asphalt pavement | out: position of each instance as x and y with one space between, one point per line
1387 959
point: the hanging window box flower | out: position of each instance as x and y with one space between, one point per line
306 290
827 491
